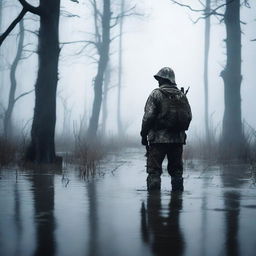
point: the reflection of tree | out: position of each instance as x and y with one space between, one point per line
17 216
232 179
43 192
93 219
204 215
161 229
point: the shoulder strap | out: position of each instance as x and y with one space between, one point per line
163 92
166 93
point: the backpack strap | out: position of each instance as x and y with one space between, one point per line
168 95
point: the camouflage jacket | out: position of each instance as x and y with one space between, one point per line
151 118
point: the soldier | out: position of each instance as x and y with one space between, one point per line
167 116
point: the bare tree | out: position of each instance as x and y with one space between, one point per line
102 41
102 44
120 70
13 84
232 134
206 64
42 145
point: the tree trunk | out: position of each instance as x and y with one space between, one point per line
232 125
105 99
120 70
206 62
11 101
42 146
102 64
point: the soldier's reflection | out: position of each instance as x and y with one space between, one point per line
43 192
160 225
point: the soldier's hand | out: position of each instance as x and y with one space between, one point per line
144 141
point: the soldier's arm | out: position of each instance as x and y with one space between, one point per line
150 113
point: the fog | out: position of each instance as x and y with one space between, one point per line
159 34
75 76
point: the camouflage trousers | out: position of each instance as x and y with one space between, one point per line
156 154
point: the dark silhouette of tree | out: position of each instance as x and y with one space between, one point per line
102 45
104 22
232 134
42 146
43 198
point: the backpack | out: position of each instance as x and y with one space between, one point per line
175 114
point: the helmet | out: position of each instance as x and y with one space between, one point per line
166 73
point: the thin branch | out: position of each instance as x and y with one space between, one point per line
188 6
79 41
94 59
83 48
88 43
30 51
12 25
205 14
30 8
96 14
115 37
29 55
126 13
25 45
202 3
208 15
67 14
220 6
33 18
36 33
246 3
23 94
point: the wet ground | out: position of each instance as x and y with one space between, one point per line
66 214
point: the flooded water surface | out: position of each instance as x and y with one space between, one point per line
65 213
